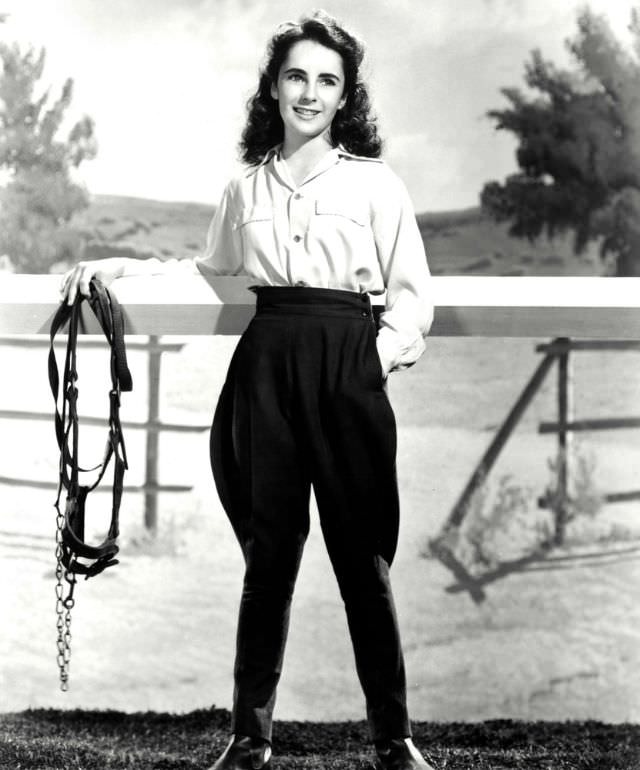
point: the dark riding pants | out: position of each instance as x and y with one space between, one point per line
303 404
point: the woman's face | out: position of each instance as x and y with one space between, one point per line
309 90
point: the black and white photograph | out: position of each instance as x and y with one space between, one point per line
320 385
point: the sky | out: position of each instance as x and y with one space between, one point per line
166 82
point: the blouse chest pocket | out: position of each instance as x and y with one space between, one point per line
253 215
341 210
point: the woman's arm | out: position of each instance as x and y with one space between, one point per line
222 256
409 304
223 251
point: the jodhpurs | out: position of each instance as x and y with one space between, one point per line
304 404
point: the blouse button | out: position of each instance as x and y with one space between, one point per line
297 196
297 238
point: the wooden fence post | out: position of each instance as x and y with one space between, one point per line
153 436
565 416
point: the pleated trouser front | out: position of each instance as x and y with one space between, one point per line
304 404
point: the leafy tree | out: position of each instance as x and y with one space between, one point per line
38 196
579 147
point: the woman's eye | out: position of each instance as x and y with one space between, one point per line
294 76
328 82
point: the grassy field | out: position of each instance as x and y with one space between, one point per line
85 740
458 242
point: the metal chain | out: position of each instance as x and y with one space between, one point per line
64 605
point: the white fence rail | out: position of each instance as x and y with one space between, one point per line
607 308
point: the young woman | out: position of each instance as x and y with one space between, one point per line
319 223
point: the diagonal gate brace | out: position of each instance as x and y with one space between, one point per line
440 545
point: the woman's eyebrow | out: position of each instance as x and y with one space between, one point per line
300 71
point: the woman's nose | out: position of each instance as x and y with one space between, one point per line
309 93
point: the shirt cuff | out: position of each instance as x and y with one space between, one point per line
387 352
395 351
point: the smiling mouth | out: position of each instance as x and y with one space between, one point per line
305 112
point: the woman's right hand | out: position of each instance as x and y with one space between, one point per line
77 279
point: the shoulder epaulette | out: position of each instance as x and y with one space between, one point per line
351 156
267 157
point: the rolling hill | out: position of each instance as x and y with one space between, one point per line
464 242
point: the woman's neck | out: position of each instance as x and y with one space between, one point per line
306 152
302 157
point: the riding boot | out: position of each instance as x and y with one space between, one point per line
400 754
245 753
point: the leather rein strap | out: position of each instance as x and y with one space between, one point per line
105 307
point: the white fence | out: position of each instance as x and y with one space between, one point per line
606 308
576 313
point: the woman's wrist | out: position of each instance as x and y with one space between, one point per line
148 266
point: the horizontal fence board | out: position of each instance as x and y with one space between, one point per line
465 306
577 426
622 497
11 481
518 321
151 427
566 346
609 497
60 343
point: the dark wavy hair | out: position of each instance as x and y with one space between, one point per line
354 126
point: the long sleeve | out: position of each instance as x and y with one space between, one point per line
409 303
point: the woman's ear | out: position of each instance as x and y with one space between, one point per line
342 102
274 90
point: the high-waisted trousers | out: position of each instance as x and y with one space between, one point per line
304 404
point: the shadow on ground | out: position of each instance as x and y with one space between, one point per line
538 561
106 740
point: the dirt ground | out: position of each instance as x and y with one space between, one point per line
557 640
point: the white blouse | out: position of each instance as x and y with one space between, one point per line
349 225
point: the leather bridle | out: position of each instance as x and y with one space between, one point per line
108 313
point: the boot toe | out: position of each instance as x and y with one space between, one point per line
245 753
401 754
